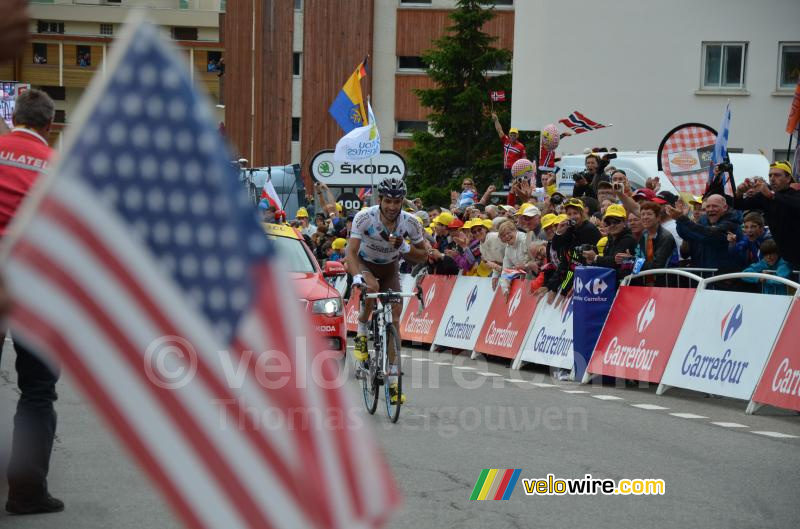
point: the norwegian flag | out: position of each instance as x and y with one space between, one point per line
579 123
140 266
498 96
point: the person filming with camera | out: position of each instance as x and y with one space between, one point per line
573 237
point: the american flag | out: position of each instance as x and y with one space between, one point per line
579 123
139 265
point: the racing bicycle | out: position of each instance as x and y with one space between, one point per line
377 370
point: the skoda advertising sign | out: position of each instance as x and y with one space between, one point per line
373 170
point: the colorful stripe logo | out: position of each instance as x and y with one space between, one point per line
496 484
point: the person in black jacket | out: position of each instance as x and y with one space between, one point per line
573 236
621 244
781 206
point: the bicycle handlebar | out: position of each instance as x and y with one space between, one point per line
381 295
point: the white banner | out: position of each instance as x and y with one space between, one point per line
360 143
550 338
725 342
407 284
465 313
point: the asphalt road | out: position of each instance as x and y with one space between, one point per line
458 421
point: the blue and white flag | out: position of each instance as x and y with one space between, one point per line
721 146
360 143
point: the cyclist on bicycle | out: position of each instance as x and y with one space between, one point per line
377 240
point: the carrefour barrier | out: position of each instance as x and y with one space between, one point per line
641 329
549 340
465 314
780 383
507 322
422 327
726 340
593 293
352 306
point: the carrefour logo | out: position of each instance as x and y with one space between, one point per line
473 295
646 315
566 311
596 286
731 322
578 285
430 295
515 301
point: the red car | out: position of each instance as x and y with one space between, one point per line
319 300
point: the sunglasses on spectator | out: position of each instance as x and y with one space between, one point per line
613 221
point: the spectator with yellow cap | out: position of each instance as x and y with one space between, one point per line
657 244
529 221
780 204
469 258
305 226
337 249
620 245
513 150
573 236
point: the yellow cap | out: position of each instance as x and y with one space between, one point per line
513 131
429 231
523 207
469 224
339 244
616 210
561 218
444 218
548 220
574 202
302 213
783 166
487 223
338 207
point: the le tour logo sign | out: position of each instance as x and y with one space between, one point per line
387 164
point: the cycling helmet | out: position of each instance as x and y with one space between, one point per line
392 188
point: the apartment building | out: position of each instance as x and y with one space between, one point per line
287 61
70 41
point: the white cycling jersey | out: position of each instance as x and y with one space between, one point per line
375 245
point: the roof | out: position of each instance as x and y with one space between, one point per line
280 230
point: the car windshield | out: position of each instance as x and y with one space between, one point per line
294 255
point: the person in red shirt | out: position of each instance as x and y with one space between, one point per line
24 156
513 150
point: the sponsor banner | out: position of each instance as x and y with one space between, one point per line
422 328
466 311
550 337
372 171
340 284
780 384
725 342
507 322
593 293
640 332
351 310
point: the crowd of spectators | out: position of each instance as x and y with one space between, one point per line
605 223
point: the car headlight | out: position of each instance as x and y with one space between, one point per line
327 306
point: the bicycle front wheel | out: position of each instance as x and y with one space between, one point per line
369 387
393 385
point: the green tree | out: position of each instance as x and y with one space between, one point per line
462 141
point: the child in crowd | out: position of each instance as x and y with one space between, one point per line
770 262
747 250
336 252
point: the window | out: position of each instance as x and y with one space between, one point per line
411 63
49 27
212 60
295 129
789 70
39 53
83 56
298 5
296 63
724 65
782 154
408 127
503 2
60 117
181 33
106 29
56 93
501 66
415 1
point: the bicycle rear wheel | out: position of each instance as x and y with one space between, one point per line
369 387
393 346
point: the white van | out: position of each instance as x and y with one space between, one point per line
641 165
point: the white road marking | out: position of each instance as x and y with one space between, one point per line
405 355
688 416
443 363
421 359
777 435
487 374
606 397
730 424
515 380
649 407
466 368
543 385
574 391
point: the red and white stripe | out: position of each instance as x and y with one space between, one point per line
88 292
